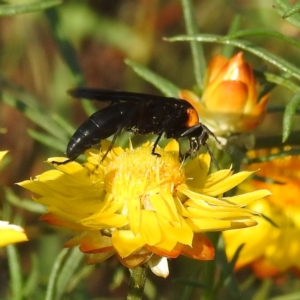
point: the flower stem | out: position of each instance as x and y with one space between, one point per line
210 271
137 282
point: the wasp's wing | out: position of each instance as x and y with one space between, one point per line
108 95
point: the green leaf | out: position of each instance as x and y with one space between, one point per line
68 53
199 62
9 10
32 281
15 272
20 99
165 86
269 57
227 50
288 115
281 80
55 272
48 140
294 10
226 277
263 32
67 271
286 10
25 204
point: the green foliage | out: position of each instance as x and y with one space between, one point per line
56 47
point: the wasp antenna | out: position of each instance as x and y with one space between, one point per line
212 134
212 156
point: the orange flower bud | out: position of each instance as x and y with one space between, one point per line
229 102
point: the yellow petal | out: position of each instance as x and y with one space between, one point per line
125 242
226 185
95 242
165 206
2 154
10 234
247 198
204 225
134 214
150 229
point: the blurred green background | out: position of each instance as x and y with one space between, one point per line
46 52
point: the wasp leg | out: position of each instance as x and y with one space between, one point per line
60 163
211 156
112 142
123 125
155 144
211 133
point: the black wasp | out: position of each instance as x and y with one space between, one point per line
140 114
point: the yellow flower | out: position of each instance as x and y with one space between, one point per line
229 103
272 249
10 234
141 207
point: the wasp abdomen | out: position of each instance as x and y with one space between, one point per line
101 125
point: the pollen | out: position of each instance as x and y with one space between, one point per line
136 174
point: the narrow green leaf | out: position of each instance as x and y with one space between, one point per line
68 53
49 141
264 290
20 99
280 108
269 57
15 272
281 80
226 277
165 86
25 204
67 271
287 296
55 272
227 50
288 115
294 10
9 10
32 281
263 32
199 62
284 9
63 123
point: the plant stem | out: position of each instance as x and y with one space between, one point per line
137 282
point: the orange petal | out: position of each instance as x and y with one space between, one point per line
55 220
99 257
75 241
216 64
175 252
264 269
252 119
228 97
136 259
94 242
202 248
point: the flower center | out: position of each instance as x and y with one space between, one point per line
138 173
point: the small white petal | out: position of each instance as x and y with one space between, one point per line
159 266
